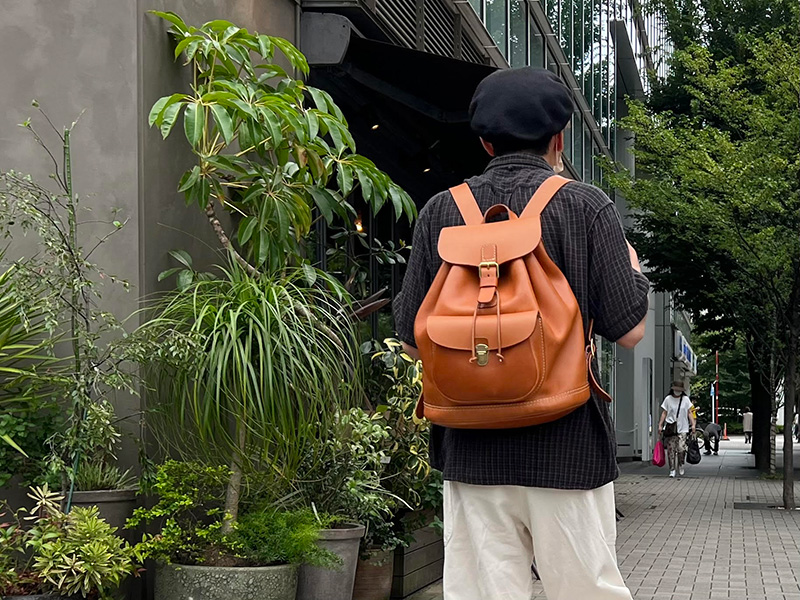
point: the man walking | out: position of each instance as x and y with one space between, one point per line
711 433
747 423
545 489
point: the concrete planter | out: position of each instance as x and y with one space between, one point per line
181 582
325 584
374 576
116 506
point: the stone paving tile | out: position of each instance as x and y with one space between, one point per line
682 539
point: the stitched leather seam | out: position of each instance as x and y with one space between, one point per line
507 405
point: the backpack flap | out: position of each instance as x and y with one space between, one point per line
463 245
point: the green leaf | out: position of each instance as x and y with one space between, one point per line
397 201
185 279
168 273
295 57
184 43
367 188
310 273
265 46
156 110
313 124
193 123
7 439
169 116
189 179
246 229
172 18
224 122
182 257
344 176
319 99
324 202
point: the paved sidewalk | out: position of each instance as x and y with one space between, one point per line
704 536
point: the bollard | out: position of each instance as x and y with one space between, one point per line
725 434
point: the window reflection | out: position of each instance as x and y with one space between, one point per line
497 24
519 33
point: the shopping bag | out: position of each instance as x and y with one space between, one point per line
659 456
693 451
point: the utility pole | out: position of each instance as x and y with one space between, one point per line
716 392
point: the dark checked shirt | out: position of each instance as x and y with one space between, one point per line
583 235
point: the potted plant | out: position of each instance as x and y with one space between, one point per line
394 385
343 478
257 557
64 285
46 553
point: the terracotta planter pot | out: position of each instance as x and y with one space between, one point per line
374 576
333 584
180 582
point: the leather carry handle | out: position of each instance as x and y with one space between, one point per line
499 209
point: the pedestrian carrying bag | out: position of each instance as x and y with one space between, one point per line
693 451
659 456
500 332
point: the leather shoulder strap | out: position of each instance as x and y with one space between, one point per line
467 205
543 196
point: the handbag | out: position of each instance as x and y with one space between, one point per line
671 429
659 457
693 451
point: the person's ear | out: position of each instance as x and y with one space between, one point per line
558 142
488 147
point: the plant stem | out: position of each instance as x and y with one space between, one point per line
234 491
226 242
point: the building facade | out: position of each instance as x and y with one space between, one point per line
403 72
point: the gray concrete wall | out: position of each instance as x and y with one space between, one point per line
113 61
166 222
78 56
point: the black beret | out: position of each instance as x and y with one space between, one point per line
520 105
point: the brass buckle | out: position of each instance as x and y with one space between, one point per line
482 354
488 264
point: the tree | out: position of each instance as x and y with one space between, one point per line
718 213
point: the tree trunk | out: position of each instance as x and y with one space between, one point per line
234 491
761 401
789 400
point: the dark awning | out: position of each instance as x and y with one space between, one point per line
408 110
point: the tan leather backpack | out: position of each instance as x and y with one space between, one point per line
500 332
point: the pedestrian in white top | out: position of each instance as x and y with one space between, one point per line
747 422
676 420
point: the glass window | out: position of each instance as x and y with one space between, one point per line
587 154
519 33
551 63
537 46
576 158
598 175
477 6
497 24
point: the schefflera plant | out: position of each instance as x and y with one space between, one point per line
269 148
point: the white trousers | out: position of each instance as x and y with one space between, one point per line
491 534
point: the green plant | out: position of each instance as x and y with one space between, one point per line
270 149
28 414
394 385
63 283
274 537
185 274
346 480
68 554
249 371
188 510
